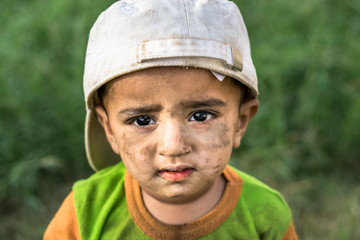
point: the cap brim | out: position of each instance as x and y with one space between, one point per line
98 150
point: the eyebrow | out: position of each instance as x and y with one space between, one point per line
212 102
140 110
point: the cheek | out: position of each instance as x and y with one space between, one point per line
138 150
149 150
215 147
215 138
125 146
137 155
221 137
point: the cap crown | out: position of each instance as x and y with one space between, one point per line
132 35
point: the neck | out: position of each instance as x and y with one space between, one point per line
181 213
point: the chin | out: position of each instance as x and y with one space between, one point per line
175 196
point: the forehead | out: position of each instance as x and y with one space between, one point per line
169 83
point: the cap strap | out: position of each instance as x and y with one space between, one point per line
185 47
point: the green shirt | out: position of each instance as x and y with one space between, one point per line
102 210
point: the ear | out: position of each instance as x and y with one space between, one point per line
247 110
104 121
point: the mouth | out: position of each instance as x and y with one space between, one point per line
176 174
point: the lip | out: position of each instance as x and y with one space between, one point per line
176 173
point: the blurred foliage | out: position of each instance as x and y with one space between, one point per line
304 140
306 57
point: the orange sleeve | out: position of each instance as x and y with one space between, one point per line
290 233
64 225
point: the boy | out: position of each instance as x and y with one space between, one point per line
170 87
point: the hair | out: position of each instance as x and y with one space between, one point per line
102 92
246 91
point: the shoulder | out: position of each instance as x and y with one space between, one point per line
267 207
97 198
102 177
64 224
100 184
259 195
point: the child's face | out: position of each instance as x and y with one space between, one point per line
174 128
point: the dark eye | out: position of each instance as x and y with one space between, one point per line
143 121
201 116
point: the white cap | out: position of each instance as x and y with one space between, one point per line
133 35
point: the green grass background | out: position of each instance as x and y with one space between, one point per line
304 140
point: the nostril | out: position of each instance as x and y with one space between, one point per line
186 149
175 152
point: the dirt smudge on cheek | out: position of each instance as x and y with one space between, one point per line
127 151
219 137
127 147
123 136
149 150
218 168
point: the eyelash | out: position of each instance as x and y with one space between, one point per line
210 116
132 121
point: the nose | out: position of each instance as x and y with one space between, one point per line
173 139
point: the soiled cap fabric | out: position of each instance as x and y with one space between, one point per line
137 34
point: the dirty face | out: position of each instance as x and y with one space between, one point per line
173 128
